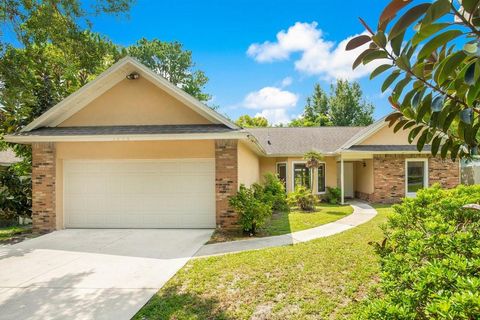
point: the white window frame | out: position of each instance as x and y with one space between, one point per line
286 172
293 174
425 174
316 177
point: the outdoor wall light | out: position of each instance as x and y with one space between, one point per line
133 76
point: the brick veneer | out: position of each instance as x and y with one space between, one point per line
389 176
43 187
226 182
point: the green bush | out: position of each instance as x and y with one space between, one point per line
430 258
303 198
15 192
334 195
275 192
253 207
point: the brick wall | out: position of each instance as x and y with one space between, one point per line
389 176
226 182
43 187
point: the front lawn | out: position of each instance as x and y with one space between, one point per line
296 220
9 234
322 279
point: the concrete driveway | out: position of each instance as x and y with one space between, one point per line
91 274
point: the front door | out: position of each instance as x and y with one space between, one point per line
347 178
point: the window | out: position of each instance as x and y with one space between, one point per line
417 172
301 175
321 178
282 173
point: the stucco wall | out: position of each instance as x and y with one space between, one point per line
248 165
137 102
124 150
364 176
386 136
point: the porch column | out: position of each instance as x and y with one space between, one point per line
342 181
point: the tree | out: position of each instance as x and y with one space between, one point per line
343 107
54 20
434 72
246 121
172 62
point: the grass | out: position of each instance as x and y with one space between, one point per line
9 233
322 279
286 222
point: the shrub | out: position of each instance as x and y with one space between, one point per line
15 192
275 192
334 195
430 258
303 198
253 207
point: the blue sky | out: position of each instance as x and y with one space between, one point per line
275 78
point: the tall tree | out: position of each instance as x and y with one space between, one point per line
344 106
246 121
172 62
432 53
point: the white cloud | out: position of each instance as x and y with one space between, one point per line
286 82
273 103
275 116
317 55
270 98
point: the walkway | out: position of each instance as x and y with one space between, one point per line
362 212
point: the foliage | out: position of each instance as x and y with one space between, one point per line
251 206
434 73
334 195
303 198
54 21
343 107
313 159
430 258
274 191
172 62
15 191
246 121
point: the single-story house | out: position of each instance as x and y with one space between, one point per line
131 150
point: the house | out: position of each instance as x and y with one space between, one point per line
7 158
131 150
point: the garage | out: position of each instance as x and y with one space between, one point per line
174 193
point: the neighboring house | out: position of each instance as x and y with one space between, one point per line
7 158
131 150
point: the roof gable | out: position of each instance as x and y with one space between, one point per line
107 80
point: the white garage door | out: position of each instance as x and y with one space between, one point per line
139 194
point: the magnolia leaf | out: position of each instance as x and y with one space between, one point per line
454 151
436 145
470 75
417 98
450 64
360 57
466 115
412 15
390 79
437 10
409 125
437 104
427 31
422 140
471 48
374 55
393 117
448 121
424 108
396 43
391 10
472 93
357 42
413 133
445 148
437 42
380 39
470 5
399 125
401 85
379 70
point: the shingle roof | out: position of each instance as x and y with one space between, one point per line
388 147
8 157
293 141
121 130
